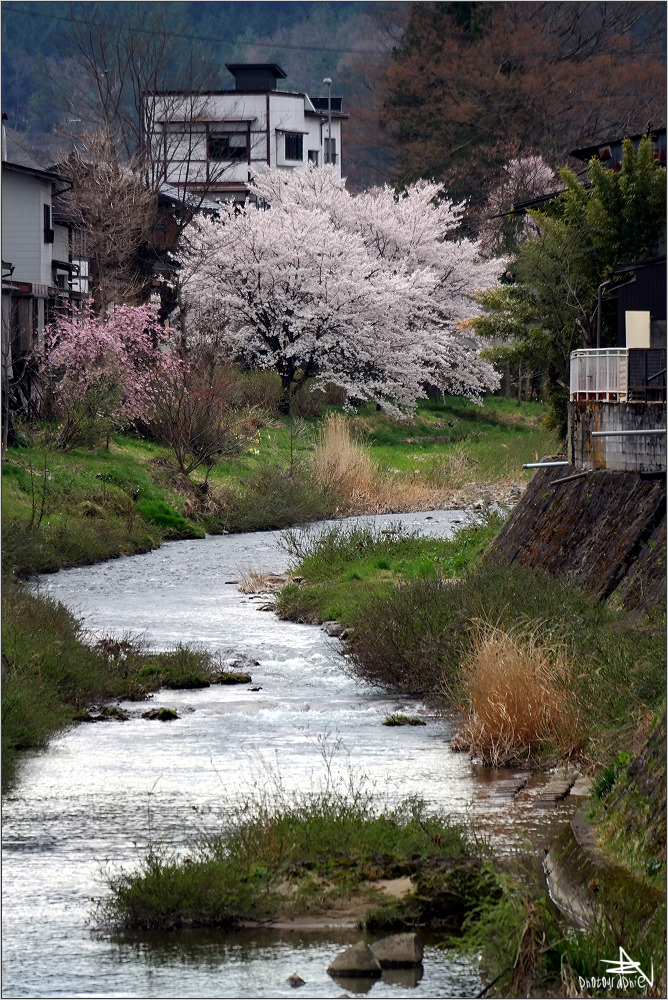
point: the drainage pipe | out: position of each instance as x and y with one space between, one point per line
569 479
603 434
543 465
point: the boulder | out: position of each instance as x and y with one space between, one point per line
355 962
399 951
241 663
334 629
162 714
295 980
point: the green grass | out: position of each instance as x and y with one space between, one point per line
50 674
495 439
345 568
86 505
286 856
526 947
397 719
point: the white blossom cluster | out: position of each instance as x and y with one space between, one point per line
363 291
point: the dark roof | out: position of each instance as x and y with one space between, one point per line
272 67
586 152
322 103
635 265
47 175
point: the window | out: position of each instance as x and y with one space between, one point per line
49 234
228 145
314 156
79 282
330 150
294 147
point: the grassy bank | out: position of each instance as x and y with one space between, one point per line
498 636
526 947
85 505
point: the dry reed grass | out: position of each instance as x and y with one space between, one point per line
259 581
342 463
519 698
453 470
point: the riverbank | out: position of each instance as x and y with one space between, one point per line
86 505
64 509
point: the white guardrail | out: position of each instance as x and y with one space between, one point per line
600 373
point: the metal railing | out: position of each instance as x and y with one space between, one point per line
619 374
647 374
600 374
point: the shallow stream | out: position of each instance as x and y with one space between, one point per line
101 792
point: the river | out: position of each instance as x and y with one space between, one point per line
98 793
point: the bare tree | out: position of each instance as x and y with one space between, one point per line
117 211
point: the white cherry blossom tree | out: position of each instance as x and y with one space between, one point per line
366 292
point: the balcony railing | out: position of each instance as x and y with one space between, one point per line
619 374
600 374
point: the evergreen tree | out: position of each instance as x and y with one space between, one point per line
551 309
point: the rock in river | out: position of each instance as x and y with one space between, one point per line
398 951
356 961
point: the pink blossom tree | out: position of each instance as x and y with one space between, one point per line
96 370
364 292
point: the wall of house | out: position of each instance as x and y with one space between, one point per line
23 200
185 124
632 453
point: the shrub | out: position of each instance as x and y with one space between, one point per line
192 412
277 497
259 389
312 396
519 697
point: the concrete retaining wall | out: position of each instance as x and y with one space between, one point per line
604 532
634 453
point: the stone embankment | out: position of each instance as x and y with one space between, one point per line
604 532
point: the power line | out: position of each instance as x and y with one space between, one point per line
201 38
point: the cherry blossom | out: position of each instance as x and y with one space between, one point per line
367 292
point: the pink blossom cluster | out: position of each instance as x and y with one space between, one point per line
114 358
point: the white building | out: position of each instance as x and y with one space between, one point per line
213 142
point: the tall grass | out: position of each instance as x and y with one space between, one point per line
341 463
519 697
415 638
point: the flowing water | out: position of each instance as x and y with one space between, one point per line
100 792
